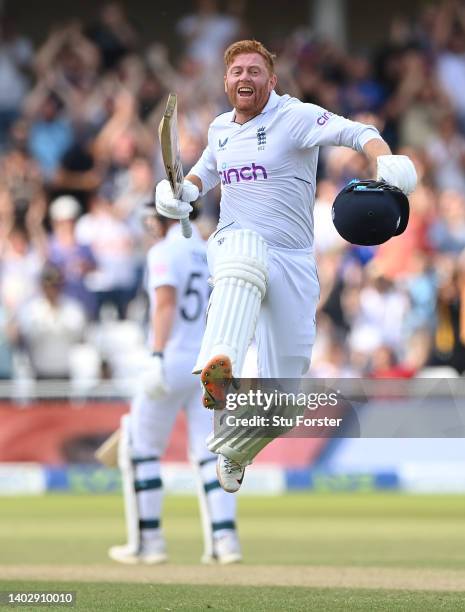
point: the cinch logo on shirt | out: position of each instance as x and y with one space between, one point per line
246 173
322 119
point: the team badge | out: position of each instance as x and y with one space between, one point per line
261 138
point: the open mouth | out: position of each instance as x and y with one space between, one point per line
245 92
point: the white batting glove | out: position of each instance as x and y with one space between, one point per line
168 206
397 170
153 379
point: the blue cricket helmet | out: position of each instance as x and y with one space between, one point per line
370 212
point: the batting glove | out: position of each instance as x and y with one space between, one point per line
397 170
153 379
168 206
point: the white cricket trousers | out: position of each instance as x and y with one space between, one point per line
285 330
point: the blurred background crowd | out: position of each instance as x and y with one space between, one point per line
79 158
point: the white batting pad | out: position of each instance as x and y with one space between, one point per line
240 278
131 510
241 447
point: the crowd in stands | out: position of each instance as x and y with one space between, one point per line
79 159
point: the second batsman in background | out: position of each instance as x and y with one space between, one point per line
264 153
177 285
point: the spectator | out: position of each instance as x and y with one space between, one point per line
67 67
447 154
21 252
333 362
134 193
361 92
119 141
207 33
450 38
447 233
449 338
49 326
19 171
50 136
383 307
15 63
417 102
75 261
385 364
114 280
78 174
113 34
420 286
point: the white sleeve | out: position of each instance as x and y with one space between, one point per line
312 126
206 170
162 267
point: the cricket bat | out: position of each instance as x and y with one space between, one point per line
107 453
168 134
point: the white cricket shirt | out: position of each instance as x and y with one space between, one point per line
267 166
181 264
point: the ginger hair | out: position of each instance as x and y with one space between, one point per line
249 46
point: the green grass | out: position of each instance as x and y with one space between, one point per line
357 530
130 597
388 530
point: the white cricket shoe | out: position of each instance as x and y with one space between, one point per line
148 555
227 549
230 474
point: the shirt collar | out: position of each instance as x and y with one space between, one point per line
272 103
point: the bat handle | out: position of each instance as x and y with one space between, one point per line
186 227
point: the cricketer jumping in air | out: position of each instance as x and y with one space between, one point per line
178 291
264 153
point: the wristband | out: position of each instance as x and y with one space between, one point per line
157 354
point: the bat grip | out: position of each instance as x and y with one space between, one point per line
186 227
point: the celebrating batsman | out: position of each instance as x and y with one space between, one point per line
264 153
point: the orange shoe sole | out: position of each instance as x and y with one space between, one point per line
216 378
